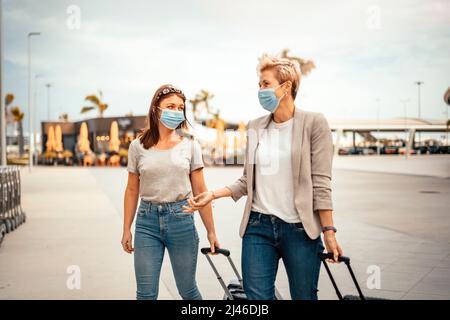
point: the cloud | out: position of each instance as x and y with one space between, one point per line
128 49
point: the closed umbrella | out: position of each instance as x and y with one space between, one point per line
50 139
114 141
58 139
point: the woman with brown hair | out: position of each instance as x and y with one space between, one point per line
164 170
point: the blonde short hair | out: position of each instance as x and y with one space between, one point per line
285 70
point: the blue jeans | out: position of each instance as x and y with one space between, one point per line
266 240
160 226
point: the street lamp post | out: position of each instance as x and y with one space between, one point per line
30 117
48 85
405 101
36 77
419 83
378 126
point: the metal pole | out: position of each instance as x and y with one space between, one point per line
378 126
35 114
30 116
30 149
48 85
2 100
404 101
446 130
419 83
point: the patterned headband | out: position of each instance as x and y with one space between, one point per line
167 91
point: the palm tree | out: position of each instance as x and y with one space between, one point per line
18 117
64 117
97 102
195 102
202 98
305 65
13 115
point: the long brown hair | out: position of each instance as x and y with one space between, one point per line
149 136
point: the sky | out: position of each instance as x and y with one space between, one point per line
364 51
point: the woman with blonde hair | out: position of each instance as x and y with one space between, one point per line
287 181
164 170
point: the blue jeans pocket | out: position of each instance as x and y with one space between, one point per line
183 215
141 211
298 227
254 219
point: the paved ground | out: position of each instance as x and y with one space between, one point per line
397 222
426 165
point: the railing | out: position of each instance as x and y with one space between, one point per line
11 213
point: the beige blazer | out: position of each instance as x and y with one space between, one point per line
312 156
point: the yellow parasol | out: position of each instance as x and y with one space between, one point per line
114 141
83 140
50 139
58 139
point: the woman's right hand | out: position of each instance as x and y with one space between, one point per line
127 241
199 201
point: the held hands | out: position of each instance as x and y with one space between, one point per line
199 201
332 246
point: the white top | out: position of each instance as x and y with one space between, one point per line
274 185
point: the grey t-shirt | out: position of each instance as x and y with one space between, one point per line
164 174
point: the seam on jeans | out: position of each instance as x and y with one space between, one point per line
194 256
317 269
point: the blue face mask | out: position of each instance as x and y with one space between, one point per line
268 99
171 118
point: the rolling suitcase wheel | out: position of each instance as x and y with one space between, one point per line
235 289
229 292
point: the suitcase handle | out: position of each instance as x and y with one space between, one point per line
324 256
346 260
225 252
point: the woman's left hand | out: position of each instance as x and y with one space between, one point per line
332 246
213 242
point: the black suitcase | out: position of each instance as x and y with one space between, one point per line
346 260
235 289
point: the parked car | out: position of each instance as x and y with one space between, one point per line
369 151
343 151
433 149
421 149
402 150
444 149
390 150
